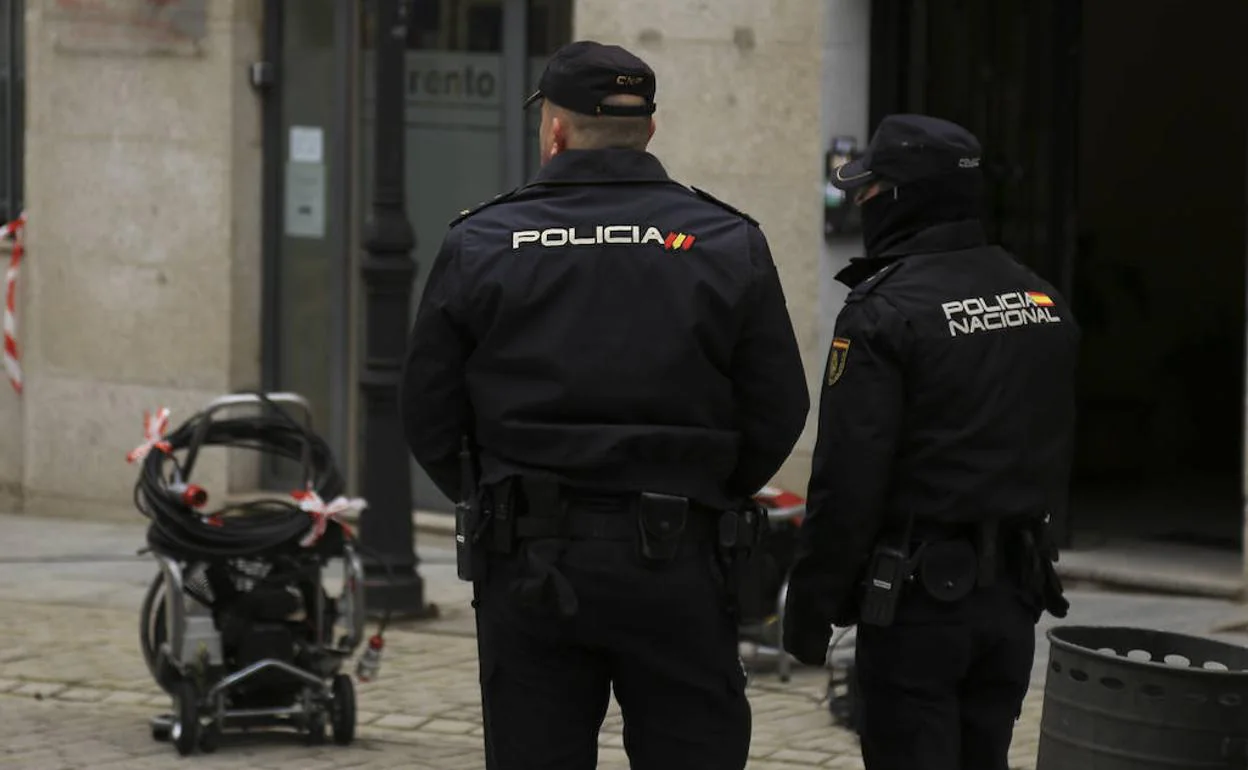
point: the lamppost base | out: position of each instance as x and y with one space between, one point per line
401 593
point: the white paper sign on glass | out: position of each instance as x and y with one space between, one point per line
307 144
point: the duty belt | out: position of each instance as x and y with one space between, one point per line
986 539
1021 547
586 525
547 515
524 509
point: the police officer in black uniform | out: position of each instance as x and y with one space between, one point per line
945 439
616 349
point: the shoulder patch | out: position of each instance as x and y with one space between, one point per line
704 195
874 280
837 357
483 205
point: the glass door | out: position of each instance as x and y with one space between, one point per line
308 226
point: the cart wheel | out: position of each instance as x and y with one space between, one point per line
162 727
185 732
342 710
316 729
210 737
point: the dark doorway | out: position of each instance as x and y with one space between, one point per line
1116 147
1159 282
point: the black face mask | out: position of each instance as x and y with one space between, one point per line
895 215
882 220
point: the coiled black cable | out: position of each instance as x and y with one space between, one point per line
266 531
241 530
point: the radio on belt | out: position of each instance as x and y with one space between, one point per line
886 575
887 572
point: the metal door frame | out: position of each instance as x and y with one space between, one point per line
515 57
12 107
272 150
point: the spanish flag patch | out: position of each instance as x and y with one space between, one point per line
1039 299
836 359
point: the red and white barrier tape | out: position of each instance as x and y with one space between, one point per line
12 361
321 513
154 427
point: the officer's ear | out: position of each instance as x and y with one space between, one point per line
558 134
652 126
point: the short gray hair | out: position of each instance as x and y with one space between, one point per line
600 132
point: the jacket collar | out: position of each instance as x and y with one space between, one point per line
601 167
947 236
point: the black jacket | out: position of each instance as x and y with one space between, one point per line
609 328
949 396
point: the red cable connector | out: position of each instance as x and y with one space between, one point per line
370 661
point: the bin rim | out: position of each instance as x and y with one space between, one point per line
1066 646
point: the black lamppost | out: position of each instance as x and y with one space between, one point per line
386 525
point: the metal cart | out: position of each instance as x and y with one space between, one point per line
183 643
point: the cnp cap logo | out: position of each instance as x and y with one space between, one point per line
598 235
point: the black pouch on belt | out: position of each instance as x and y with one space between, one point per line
948 569
754 580
503 527
660 523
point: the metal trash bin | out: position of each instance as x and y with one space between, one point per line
1131 699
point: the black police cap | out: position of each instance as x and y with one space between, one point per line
581 75
907 148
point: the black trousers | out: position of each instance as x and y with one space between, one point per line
943 686
661 638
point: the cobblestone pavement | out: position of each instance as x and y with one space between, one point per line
74 692
74 676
